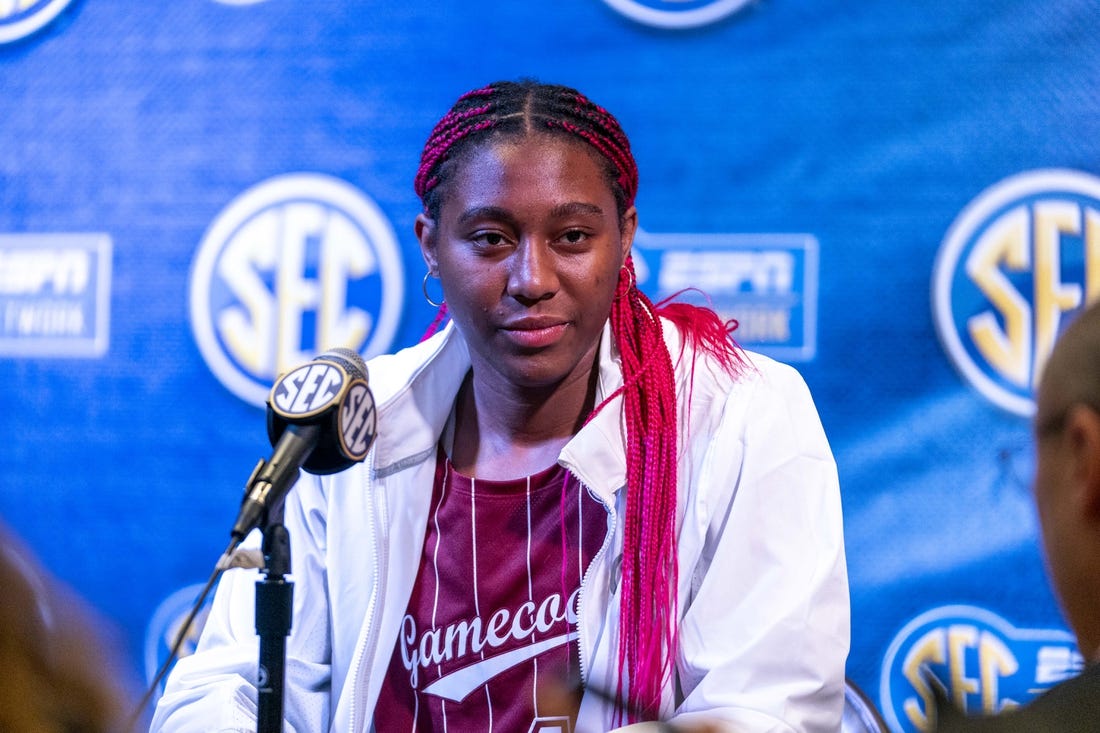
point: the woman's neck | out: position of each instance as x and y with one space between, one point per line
503 433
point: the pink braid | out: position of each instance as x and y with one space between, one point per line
647 636
649 610
440 317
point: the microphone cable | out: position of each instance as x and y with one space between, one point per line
177 644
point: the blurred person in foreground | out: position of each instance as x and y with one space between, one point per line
57 672
1067 497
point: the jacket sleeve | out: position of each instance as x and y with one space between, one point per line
765 633
214 689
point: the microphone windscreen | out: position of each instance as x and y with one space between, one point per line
329 455
349 359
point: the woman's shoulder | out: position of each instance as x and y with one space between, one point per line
703 345
751 385
728 367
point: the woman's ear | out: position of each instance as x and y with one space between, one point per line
628 227
425 234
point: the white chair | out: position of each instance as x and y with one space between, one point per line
860 714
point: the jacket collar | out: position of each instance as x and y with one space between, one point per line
597 454
416 401
413 411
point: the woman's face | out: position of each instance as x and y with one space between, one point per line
528 246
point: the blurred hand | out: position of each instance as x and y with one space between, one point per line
559 697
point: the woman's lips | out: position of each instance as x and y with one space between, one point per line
535 336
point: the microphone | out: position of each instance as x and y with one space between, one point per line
320 418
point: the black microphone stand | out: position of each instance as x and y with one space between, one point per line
274 609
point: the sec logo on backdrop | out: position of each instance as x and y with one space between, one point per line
295 265
1014 267
165 627
20 18
986 664
676 13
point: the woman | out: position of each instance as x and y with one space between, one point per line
571 489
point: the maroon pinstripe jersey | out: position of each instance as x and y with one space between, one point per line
492 617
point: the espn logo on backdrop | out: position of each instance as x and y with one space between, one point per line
295 265
1018 262
767 282
985 663
55 294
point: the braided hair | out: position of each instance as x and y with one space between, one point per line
648 615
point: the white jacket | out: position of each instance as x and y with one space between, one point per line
763 588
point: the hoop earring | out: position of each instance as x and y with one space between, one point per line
631 280
424 287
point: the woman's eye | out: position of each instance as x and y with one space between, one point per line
489 239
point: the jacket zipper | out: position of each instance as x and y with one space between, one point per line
379 589
608 539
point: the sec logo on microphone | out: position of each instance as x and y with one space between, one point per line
296 264
1013 269
308 390
357 421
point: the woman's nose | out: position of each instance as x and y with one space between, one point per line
533 275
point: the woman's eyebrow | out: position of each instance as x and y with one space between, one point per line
572 208
484 212
576 207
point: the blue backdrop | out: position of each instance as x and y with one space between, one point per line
897 198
